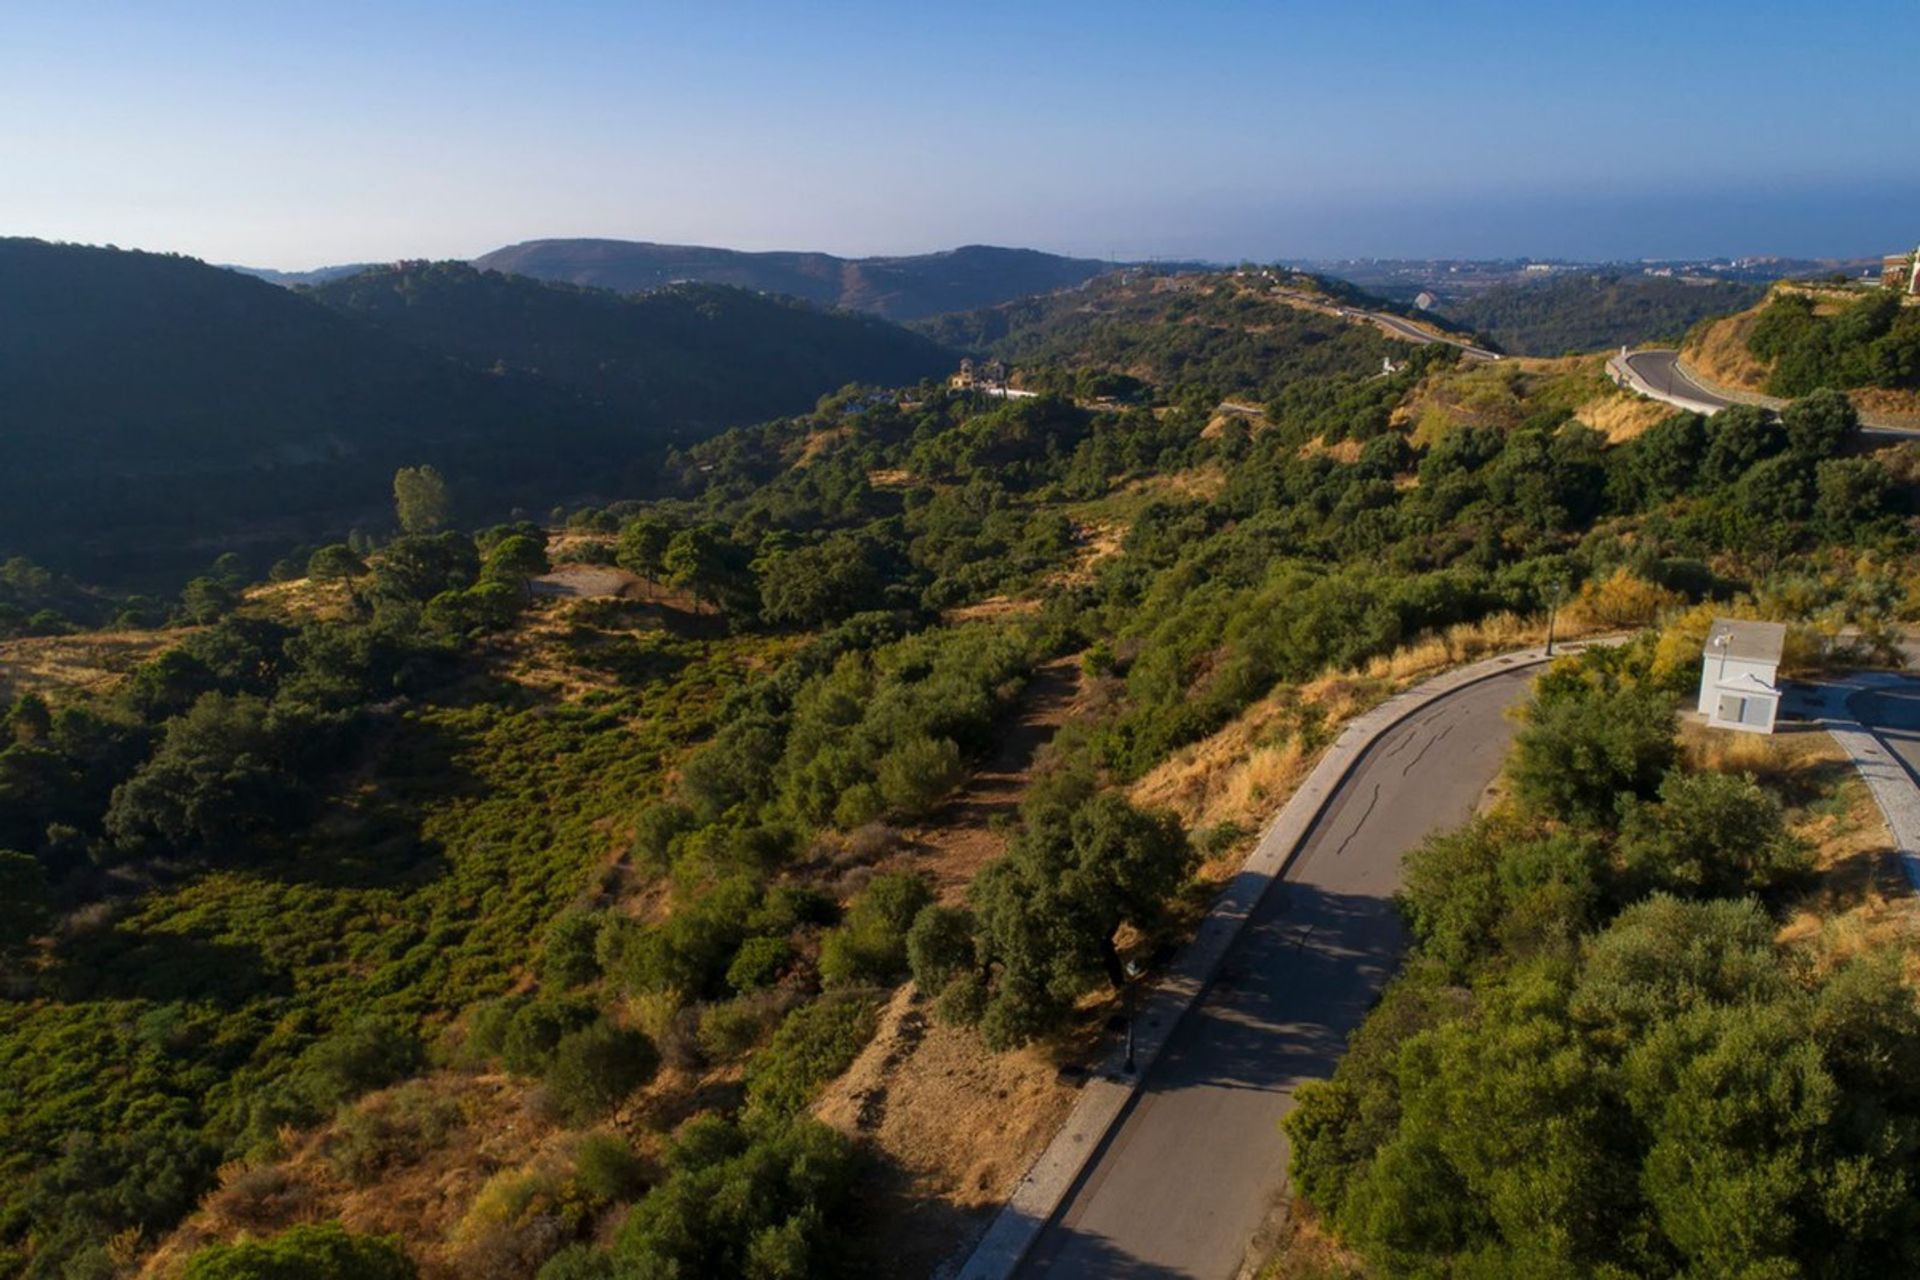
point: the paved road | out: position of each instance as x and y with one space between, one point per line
1666 378
1414 333
1894 716
1663 373
1195 1168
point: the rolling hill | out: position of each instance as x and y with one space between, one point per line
1590 312
155 410
898 288
682 362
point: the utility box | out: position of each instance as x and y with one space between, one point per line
1739 674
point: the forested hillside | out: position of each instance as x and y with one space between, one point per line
899 288
1211 336
157 410
533 934
677 364
1593 312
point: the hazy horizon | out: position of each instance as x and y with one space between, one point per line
1224 131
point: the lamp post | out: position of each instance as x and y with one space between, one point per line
1553 610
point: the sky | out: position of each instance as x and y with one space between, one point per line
296 135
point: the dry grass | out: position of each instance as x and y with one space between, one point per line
423 1201
304 599
954 1125
1245 771
90 663
1860 903
1719 352
1621 415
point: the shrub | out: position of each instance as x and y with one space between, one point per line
1578 755
596 1067
872 945
323 1251
939 946
759 963
389 1132
1711 834
919 773
607 1169
733 1028
569 960
816 1043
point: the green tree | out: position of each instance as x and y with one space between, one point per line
217 781
1711 834
207 600
420 501
515 559
335 562
642 548
1578 756
919 773
596 1067
1821 425
1048 911
24 901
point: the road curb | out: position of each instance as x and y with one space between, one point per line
1106 1096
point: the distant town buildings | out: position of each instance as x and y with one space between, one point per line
1898 271
987 375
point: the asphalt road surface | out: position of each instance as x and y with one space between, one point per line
1415 333
1198 1163
1894 717
1662 371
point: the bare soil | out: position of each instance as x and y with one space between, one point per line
967 832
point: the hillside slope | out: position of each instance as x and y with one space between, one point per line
899 288
679 363
1800 339
154 403
1235 337
1595 311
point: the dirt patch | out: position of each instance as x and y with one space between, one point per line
966 832
588 581
954 1126
991 609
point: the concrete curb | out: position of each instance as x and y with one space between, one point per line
1893 788
1053 1175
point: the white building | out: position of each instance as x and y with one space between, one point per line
1739 684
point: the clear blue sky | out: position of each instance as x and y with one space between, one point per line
292 135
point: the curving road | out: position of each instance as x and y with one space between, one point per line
1662 375
1414 333
1198 1164
1667 379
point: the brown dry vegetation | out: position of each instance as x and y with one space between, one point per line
85 664
955 1127
1621 415
1861 901
1718 350
423 1195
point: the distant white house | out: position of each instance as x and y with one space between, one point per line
1739 680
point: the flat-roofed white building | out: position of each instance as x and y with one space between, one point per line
1739 674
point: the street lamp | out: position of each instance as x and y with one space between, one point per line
1553 609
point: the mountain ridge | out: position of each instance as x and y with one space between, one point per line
900 287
